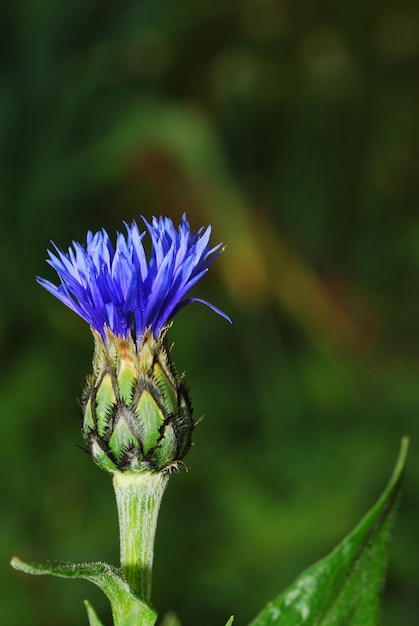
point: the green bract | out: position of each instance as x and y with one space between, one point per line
136 410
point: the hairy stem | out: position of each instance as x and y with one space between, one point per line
138 498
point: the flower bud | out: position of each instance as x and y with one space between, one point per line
136 409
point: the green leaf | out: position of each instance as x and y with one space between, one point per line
127 608
170 619
230 621
91 614
344 588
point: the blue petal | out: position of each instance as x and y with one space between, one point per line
120 288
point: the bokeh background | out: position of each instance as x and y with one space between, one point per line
293 128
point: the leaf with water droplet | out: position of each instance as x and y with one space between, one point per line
345 587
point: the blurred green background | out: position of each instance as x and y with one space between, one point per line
293 128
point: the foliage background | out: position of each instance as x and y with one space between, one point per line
293 129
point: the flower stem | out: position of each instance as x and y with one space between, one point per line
138 498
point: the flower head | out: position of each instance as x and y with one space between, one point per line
123 290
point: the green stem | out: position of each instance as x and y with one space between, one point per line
138 498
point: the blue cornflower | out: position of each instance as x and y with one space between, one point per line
120 289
